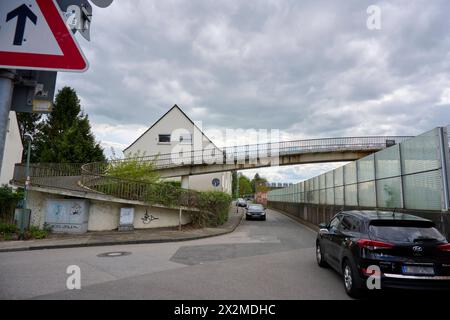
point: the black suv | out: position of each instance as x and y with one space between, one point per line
407 251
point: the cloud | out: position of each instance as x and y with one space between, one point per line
310 68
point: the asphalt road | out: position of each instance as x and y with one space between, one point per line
271 259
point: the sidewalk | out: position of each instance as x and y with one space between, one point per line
108 238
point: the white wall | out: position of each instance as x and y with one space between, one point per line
104 216
162 217
13 150
174 123
37 202
204 182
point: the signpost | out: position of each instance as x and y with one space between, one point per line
34 91
35 37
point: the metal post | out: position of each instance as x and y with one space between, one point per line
444 154
27 172
6 91
402 178
237 185
179 219
445 165
375 178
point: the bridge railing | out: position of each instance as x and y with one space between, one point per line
254 152
68 176
47 170
94 176
162 193
54 175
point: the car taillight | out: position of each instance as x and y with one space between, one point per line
445 247
374 245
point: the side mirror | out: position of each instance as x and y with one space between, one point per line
323 226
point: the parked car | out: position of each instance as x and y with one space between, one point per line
248 198
408 250
241 203
255 211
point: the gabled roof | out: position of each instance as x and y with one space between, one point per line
174 107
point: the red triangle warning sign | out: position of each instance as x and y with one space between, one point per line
33 36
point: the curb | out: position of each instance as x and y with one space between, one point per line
124 242
304 223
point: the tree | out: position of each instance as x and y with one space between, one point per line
66 134
245 186
234 184
30 124
259 184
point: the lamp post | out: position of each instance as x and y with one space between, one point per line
27 175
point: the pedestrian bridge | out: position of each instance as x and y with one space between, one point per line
93 180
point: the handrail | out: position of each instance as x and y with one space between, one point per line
245 152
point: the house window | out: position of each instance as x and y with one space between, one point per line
164 138
186 138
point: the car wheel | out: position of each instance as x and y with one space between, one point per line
352 281
319 256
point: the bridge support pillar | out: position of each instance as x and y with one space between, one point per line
185 182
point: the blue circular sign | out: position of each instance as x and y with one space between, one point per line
215 182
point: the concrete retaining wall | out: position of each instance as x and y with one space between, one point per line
104 215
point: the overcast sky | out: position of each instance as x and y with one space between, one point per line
308 68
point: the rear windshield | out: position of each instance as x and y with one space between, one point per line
409 234
255 207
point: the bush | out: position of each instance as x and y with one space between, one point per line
7 228
8 232
172 183
11 232
135 168
164 194
35 233
214 207
9 199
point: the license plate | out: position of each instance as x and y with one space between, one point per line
418 270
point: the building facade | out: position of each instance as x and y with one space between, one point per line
173 132
13 150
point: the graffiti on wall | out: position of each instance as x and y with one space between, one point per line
146 219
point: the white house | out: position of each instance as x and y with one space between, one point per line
175 131
13 150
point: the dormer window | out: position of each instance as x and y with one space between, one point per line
164 138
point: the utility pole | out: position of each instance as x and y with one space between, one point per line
6 91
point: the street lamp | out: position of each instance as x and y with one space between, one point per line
22 216
27 169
